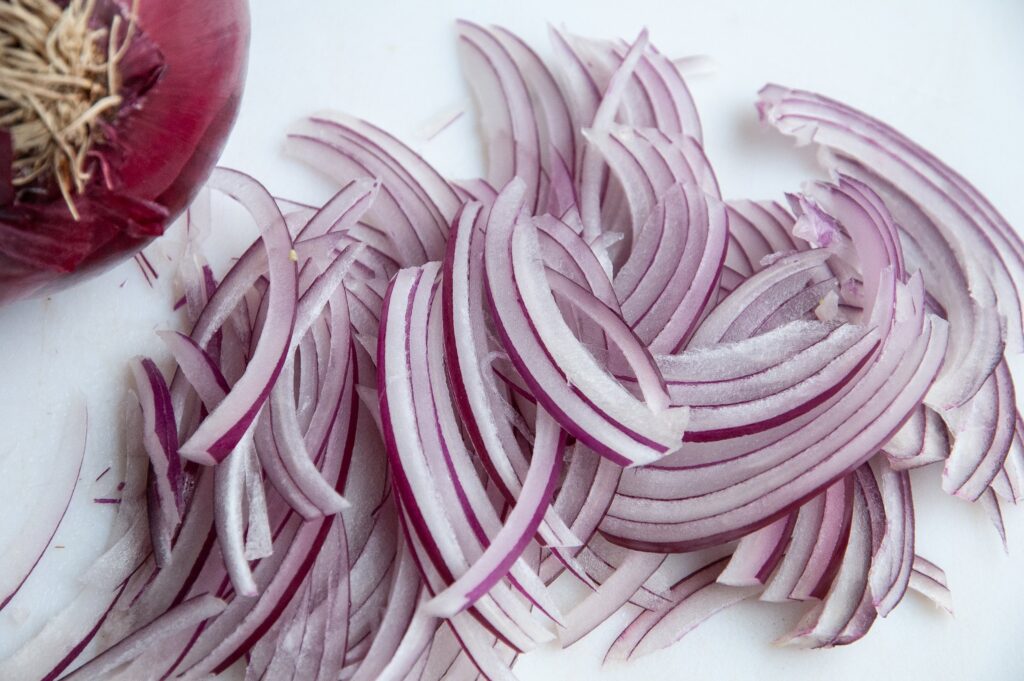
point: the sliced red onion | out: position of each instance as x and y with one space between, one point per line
66 635
519 525
893 560
638 358
628 578
21 558
396 622
889 389
1009 482
221 431
554 120
475 394
696 597
418 447
600 559
976 334
758 553
278 578
587 489
512 135
744 312
757 230
229 486
258 543
647 162
416 639
820 534
479 647
160 437
687 231
929 580
940 193
189 613
592 406
847 610
922 440
244 622
983 430
724 409
993 507
592 169
269 457
156 591
299 648
658 96
415 204
291 446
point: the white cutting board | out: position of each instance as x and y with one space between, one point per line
947 72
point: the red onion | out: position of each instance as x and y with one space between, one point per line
569 370
63 480
102 159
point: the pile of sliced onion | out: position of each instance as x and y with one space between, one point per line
400 417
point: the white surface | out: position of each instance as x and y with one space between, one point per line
947 72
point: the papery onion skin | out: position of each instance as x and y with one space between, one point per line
159 149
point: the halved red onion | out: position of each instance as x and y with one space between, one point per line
132 105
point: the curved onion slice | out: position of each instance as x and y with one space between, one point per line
32 542
695 598
846 612
476 396
720 507
758 553
189 613
218 434
420 460
582 397
958 211
160 438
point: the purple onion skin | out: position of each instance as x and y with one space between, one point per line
183 77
